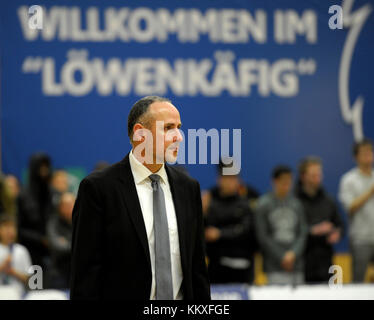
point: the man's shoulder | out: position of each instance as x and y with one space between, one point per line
20 249
350 175
3 249
265 200
105 175
180 175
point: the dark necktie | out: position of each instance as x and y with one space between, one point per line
164 283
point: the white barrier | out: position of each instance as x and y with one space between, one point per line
313 292
9 293
234 292
46 295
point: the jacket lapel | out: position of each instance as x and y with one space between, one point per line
133 204
134 209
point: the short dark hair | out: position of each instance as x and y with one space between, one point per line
139 109
306 162
357 145
279 170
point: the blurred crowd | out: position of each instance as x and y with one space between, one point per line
36 224
294 226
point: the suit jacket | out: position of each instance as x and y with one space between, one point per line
110 254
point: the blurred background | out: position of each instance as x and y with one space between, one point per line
294 77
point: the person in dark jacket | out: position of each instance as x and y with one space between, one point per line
34 209
229 232
324 221
123 246
59 232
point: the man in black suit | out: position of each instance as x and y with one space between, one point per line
137 225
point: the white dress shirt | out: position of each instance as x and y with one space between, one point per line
145 193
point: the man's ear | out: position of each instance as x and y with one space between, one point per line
138 134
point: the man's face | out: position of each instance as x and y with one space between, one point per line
12 185
365 156
8 233
313 176
44 171
229 185
164 123
60 181
66 206
283 184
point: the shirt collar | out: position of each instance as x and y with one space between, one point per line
141 172
363 175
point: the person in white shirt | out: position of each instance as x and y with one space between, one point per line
356 192
14 258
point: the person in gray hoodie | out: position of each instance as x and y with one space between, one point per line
281 229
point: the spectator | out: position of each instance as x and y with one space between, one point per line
60 181
59 236
59 184
13 186
229 233
244 190
34 209
7 202
14 258
282 230
356 192
325 225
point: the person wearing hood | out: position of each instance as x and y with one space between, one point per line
35 207
325 226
